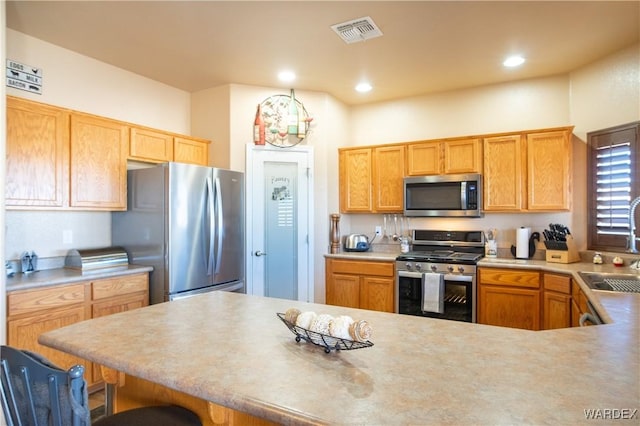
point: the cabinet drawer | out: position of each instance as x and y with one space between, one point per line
510 277
102 289
381 269
559 283
29 301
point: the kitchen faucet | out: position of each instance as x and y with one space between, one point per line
632 225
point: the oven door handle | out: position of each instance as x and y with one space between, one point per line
447 277
458 278
410 274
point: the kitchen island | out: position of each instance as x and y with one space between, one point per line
232 350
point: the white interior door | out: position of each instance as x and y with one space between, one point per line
279 220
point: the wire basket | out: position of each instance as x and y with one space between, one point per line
328 342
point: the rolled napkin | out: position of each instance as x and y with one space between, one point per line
339 327
291 315
360 331
305 318
320 324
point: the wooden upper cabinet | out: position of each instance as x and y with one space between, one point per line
549 170
37 155
453 156
530 171
148 145
191 150
99 149
388 174
462 156
503 177
423 158
355 180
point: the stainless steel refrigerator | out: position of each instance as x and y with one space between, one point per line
187 222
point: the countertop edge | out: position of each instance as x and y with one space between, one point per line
61 276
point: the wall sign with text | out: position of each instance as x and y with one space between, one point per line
24 77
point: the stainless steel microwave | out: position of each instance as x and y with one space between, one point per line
443 195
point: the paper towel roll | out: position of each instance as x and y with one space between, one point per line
522 243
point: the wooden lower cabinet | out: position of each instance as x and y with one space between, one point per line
360 284
23 332
509 298
528 299
556 304
578 306
509 307
33 312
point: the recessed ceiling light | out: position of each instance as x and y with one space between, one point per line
286 76
363 87
513 61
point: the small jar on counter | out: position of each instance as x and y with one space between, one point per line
597 258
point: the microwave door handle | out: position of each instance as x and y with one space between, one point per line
463 195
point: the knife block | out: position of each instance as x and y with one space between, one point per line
562 254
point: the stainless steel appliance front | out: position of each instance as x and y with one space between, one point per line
459 289
187 222
443 195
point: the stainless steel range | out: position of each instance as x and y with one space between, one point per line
438 277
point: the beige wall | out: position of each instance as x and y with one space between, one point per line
603 94
527 104
78 82
210 119
236 131
606 93
520 105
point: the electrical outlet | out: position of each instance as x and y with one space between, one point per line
378 230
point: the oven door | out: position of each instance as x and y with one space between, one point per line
459 296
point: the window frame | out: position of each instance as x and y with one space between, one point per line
596 241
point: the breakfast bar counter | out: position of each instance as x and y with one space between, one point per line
231 350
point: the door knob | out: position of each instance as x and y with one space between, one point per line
259 253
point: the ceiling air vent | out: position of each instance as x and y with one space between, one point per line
360 29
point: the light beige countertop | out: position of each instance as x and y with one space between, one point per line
231 349
59 276
364 255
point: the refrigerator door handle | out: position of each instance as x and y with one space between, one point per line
212 230
220 225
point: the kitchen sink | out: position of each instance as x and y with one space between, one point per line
624 282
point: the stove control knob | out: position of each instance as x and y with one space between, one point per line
433 268
450 268
418 267
408 266
461 269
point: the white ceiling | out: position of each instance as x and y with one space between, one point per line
427 46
